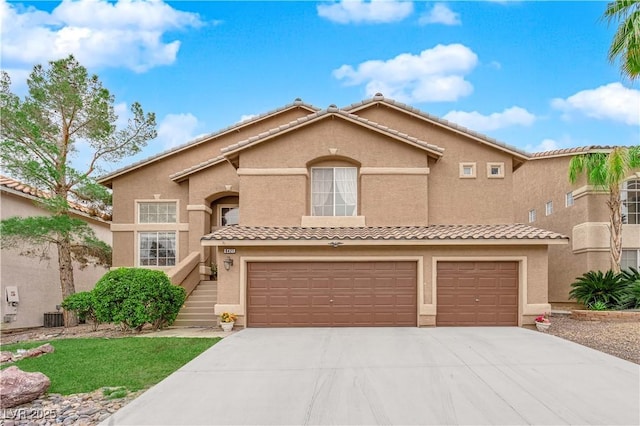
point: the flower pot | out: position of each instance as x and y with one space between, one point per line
543 326
227 326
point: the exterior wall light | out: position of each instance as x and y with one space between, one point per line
228 263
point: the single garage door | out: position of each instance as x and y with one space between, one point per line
477 293
326 294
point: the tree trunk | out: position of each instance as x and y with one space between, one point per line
615 216
66 279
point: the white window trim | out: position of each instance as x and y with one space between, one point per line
568 199
548 208
227 206
142 201
473 170
356 212
500 174
137 251
532 215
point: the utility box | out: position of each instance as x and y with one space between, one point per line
12 298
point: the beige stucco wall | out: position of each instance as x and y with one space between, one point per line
454 200
532 261
38 281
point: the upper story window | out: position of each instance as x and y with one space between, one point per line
568 199
229 215
157 212
334 191
548 208
631 202
532 215
468 170
495 170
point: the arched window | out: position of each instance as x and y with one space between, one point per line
631 202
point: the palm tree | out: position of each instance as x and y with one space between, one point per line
626 41
607 170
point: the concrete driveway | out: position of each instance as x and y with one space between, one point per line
393 376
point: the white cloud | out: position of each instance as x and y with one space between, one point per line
609 102
176 129
440 14
127 33
436 74
514 116
245 117
360 11
544 145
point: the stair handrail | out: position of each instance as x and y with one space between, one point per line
186 273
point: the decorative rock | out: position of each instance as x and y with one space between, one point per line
6 356
40 350
18 387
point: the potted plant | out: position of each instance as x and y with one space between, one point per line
542 322
227 319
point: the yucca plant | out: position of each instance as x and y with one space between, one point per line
596 286
631 280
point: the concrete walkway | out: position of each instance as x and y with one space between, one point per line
393 376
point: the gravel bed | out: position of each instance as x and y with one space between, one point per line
621 339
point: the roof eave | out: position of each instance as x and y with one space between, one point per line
387 242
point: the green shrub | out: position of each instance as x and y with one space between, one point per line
631 279
134 297
83 304
598 305
596 286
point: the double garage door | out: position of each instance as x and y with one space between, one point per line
327 294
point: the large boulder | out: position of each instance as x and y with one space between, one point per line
19 387
6 356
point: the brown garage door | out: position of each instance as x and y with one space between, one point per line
325 294
477 293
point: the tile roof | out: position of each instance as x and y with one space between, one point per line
17 187
514 231
333 110
176 176
297 103
571 151
486 139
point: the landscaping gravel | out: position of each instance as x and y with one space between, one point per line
621 339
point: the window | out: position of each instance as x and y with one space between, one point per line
568 199
630 258
495 170
157 248
468 170
532 215
631 202
229 215
157 212
548 208
334 191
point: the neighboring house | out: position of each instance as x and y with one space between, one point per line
373 215
546 199
37 280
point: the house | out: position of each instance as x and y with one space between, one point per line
376 214
33 283
546 199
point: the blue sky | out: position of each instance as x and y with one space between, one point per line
531 74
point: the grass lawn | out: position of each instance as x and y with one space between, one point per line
84 365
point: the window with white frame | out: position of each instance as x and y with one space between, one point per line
468 170
495 170
157 212
548 208
334 191
630 196
157 248
568 199
630 258
532 215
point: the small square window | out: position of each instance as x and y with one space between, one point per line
495 170
568 199
468 170
532 216
548 208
